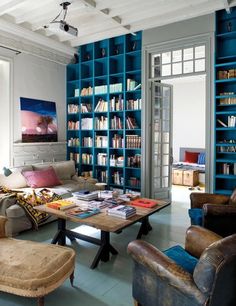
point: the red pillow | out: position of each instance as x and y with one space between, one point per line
191 157
41 178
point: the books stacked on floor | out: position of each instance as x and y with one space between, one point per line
61 204
143 202
82 213
85 195
122 211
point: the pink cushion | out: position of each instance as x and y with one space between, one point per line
191 157
42 178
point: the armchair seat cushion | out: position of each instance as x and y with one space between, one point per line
182 258
32 268
196 216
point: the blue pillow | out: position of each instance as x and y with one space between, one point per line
195 215
182 258
201 159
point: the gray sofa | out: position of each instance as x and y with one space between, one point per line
66 172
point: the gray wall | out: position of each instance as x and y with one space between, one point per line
177 30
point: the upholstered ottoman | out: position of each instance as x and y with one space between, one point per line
33 269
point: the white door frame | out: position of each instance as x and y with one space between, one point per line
208 40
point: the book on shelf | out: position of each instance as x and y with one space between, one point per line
137 87
101 106
77 92
86 108
101 89
101 123
87 159
102 159
73 125
82 213
143 202
131 123
116 104
86 123
116 123
131 84
61 204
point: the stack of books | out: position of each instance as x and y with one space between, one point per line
82 213
61 204
85 195
122 211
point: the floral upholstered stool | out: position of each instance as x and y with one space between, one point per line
33 269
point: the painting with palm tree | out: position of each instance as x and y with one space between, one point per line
38 120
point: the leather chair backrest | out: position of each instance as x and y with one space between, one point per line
215 272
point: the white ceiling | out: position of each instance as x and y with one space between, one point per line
96 19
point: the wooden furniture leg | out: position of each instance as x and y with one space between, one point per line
41 301
136 303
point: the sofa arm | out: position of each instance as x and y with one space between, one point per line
164 268
5 202
198 239
3 221
197 199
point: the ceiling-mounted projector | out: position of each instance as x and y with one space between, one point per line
68 28
61 25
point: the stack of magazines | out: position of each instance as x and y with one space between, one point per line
84 195
122 211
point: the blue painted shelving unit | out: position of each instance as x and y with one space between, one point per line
104 111
225 103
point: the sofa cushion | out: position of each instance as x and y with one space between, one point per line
42 178
13 181
15 211
182 258
64 169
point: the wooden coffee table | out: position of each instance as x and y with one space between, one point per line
103 222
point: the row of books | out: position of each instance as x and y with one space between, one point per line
231 120
74 156
73 142
86 107
117 141
102 175
101 123
226 74
116 161
101 141
73 125
132 85
87 142
102 159
87 159
228 168
101 89
86 91
86 123
131 123
73 108
116 123
134 182
227 101
134 161
117 178
116 104
101 106
133 141
134 104
116 87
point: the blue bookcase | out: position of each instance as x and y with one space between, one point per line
225 103
104 111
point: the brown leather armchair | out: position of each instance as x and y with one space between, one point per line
159 281
218 212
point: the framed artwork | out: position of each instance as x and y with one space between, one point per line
38 120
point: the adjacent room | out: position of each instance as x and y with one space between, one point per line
117 153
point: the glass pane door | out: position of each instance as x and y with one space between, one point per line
161 142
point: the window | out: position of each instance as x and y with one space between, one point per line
179 62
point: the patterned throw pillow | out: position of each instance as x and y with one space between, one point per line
28 200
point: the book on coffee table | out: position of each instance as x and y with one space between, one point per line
61 204
143 202
82 213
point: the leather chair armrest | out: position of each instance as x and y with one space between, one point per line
3 221
198 239
198 199
219 210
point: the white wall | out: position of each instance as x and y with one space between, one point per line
4 113
38 78
189 111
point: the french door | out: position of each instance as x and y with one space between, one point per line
161 140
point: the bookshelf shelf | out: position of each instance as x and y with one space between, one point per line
225 103
104 81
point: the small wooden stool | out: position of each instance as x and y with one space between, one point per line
33 269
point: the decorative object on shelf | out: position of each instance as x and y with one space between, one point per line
229 26
87 56
103 52
116 50
134 46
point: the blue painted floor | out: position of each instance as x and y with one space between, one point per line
110 283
